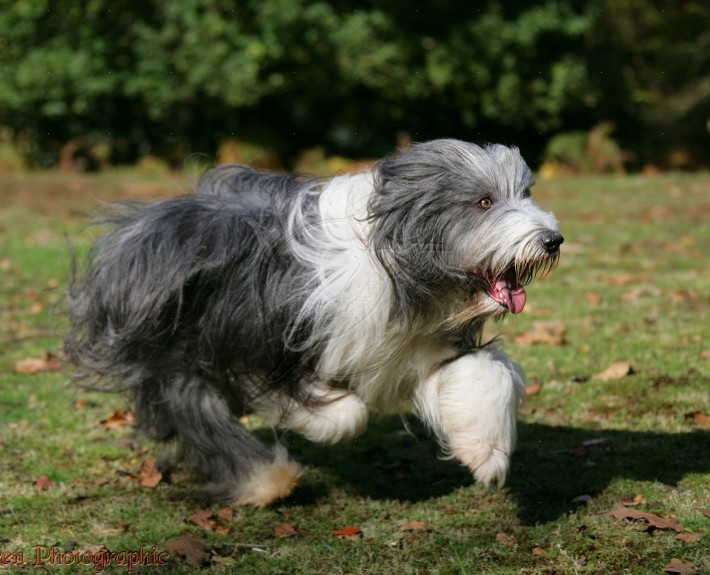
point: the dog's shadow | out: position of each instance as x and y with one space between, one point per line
552 466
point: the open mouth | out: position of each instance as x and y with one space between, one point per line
507 290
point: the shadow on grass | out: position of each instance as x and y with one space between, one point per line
551 467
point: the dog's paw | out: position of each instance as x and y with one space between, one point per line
488 463
270 482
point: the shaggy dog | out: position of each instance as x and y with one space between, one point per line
316 301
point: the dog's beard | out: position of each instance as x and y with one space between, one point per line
492 294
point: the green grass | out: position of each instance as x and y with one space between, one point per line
633 285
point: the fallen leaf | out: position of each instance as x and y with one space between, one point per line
689 537
654 521
593 297
677 566
204 519
538 551
285 530
616 370
190 549
533 389
638 293
637 500
705 354
544 333
118 420
225 515
415 526
348 532
627 279
705 512
32 365
101 481
44 483
149 474
701 420
505 539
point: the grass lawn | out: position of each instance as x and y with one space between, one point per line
612 471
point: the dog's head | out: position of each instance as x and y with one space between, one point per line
454 219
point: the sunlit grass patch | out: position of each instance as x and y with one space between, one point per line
633 286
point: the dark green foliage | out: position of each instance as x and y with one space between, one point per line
174 78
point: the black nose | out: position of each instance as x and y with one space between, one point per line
552 242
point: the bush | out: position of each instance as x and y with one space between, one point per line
173 78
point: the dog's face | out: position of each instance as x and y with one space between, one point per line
454 218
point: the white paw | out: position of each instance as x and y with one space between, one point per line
488 464
340 415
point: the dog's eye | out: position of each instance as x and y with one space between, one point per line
485 203
527 193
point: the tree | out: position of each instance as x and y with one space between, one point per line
176 77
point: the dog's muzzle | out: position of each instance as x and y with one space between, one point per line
552 242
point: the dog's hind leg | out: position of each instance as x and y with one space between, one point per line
239 467
328 414
471 404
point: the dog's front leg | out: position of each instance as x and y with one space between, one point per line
471 405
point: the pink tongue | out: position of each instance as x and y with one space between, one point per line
513 297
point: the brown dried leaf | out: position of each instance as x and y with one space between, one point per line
677 566
225 515
533 389
705 512
204 519
637 500
689 537
149 474
118 420
616 370
505 539
32 365
284 530
544 333
654 521
623 279
701 420
538 551
415 526
348 532
593 297
44 483
190 549
638 293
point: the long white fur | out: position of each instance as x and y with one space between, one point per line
470 403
